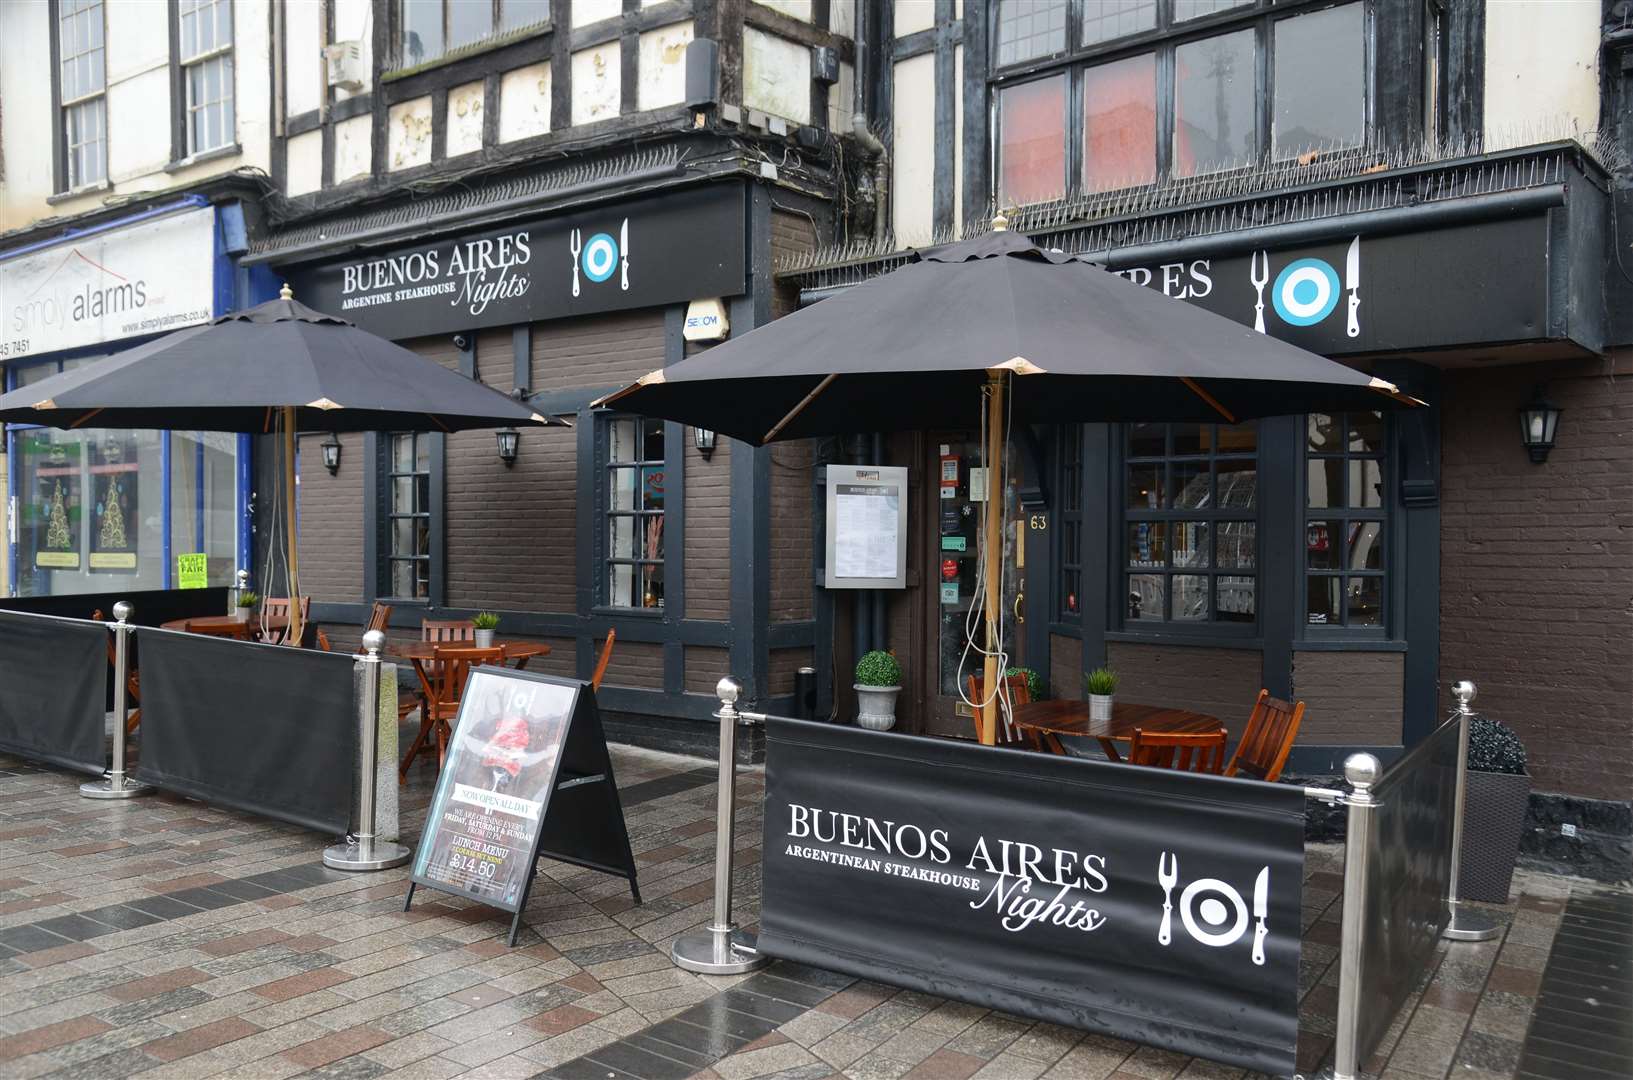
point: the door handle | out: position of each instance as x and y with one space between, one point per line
1020 598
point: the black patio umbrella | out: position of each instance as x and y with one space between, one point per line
277 368
1064 339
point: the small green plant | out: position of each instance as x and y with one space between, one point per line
1493 747
1034 684
247 599
878 668
1101 682
486 620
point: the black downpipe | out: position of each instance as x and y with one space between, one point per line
881 637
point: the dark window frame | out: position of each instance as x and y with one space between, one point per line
1068 576
390 514
1169 34
604 559
399 59
1119 565
1341 518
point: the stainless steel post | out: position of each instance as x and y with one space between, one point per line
360 851
118 785
1463 925
1361 770
722 949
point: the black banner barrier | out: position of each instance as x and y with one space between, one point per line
263 728
53 690
527 775
1143 903
1408 878
150 607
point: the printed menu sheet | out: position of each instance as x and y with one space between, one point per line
865 538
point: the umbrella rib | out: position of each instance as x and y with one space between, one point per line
797 409
437 421
1196 388
88 416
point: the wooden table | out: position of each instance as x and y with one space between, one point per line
229 623
422 651
1054 718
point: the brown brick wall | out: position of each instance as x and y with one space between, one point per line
1219 682
1065 667
705 666
1537 567
330 543
636 664
784 664
708 531
792 530
599 350
1349 697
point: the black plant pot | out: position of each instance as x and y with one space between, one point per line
1493 818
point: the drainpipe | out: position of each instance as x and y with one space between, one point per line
881 173
862 599
881 637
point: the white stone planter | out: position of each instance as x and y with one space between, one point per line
876 706
1100 706
484 639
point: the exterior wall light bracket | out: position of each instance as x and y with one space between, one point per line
509 439
704 440
331 453
1539 422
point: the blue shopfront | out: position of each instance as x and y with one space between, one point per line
106 509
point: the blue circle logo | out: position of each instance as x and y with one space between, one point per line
1305 292
600 257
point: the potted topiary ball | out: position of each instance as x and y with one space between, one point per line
1495 799
878 681
1101 684
1034 682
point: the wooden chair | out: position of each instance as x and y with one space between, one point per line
278 607
604 659
1202 752
1019 694
237 631
379 619
1267 740
442 681
436 631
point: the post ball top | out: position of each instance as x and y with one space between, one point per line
122 610
1463 691
1362 770
727 690
374 641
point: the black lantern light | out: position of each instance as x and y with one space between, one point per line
331 453
1538 423
508 438
704 438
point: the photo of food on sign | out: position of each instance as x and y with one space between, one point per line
490 800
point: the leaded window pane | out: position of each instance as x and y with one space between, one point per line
1028 29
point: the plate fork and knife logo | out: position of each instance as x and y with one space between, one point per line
1209 921
1306 291
600 256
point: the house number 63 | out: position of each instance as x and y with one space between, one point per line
1038 522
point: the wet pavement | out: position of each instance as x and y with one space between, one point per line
165 938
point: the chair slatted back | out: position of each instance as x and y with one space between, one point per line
379 617
277 607
603 660
1267 740
444 680
1019 693
447 630
1202 752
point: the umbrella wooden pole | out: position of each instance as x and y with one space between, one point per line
994 556
293 637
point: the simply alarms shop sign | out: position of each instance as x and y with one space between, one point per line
144 278
1143 903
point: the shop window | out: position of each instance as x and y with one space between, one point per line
82 72
1346 519
205 32
1190 524
1069 498
633 512
429 29
408 516
1195 102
